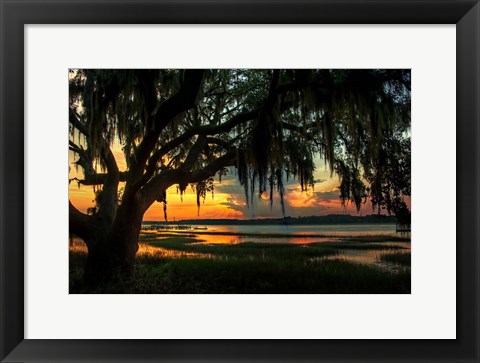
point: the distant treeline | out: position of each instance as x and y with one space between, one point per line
328 219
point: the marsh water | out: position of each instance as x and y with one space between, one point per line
298 234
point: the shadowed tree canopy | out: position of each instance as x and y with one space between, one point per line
184 127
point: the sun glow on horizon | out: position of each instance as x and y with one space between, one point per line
229 201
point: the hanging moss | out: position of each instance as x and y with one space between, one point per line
357 120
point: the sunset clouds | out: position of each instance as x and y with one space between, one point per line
229 201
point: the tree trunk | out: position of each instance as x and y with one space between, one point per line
112 250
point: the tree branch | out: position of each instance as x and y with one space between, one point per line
106 152
275 90
182 101
227 145
79 223
108 208
170 177
75 121
211 169
201 130
193 153
83 158
98 179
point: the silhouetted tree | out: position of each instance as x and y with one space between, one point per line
182 127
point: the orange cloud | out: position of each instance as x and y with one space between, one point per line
229 199
185 207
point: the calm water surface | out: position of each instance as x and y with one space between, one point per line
298 234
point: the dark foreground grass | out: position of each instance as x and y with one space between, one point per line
246 268
401 258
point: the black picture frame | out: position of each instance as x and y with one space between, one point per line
15 14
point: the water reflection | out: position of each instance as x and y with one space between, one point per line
368 257
277 234
232 239
366 235
336 230
350 237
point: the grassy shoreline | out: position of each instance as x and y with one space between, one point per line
181 265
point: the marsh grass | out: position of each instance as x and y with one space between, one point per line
182 265
376 238
400 258
358 246
251 251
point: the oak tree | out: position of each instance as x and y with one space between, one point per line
184 127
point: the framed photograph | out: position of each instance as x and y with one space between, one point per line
273 181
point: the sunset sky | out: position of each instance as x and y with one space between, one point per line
229 198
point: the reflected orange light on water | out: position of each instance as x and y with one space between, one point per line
367 257
226 239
